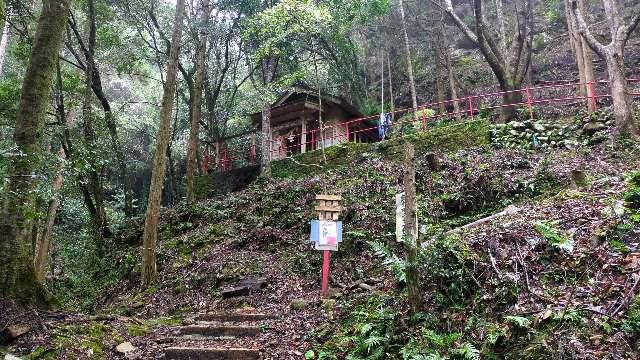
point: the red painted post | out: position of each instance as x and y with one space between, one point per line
205 163
347 126
594 97
529 103
470 107
326 255
252 155
313 139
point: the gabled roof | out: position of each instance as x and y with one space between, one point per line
302 96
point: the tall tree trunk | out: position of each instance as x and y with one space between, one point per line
44 240
17 275
150 236
446 57
622 107
4 41
407 52
511 100
196 100
173 181
502 32
268 66
613 55
411 229
95 179
587 59
439 80
582 52
391 96
439 50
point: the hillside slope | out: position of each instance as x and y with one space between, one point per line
554 278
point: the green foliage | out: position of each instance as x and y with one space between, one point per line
447 138
631 324
557 238
445 265
544 182
392 261
466 352
67 340
429 345
138 329
518 321
412 121
632 195
368 332
281 30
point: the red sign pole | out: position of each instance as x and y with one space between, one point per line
326 255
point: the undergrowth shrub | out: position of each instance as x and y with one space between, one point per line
444 266
369 332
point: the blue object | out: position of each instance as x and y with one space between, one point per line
314 234
315 231
384 125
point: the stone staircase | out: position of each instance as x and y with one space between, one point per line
201 337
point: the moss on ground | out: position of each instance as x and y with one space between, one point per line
445 138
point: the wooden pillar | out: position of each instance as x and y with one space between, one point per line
303 136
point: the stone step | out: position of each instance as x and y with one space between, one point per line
195 353
216 330
233 317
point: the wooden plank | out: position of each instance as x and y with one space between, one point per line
329 197
329 208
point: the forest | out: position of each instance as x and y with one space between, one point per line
326 179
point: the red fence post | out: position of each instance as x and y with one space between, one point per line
346 125
594 97
470 107
529 103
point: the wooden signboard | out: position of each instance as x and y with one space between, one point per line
329 210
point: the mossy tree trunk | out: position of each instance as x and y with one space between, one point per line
17 275
411 229
268 66
196 114
150 236
44 238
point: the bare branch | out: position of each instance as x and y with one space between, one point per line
628 29
456 19
583 29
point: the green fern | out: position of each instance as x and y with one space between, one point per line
556 237
394 263
467 352
518 321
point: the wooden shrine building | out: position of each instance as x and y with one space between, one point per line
295 127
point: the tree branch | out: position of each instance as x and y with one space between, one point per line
461 25
583 29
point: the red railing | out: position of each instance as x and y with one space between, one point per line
527 99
